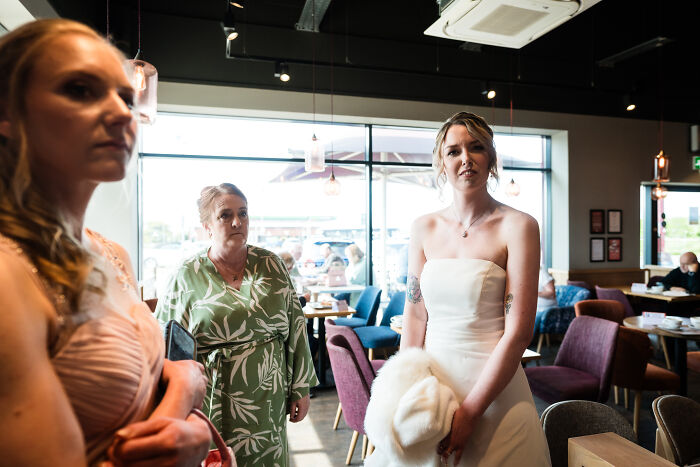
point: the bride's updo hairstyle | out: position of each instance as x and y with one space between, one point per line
26 216
478 129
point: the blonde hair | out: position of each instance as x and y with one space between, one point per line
26 215
353 251
208 195
478 129
287 259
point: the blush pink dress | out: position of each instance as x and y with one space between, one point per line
108 355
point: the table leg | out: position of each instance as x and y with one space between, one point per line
680 363
322 354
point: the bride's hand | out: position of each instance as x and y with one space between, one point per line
463 424
186 378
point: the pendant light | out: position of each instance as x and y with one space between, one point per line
512 189
332 186
144 79
658 192
314 154
661 160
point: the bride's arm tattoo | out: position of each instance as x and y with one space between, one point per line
508 302
413 289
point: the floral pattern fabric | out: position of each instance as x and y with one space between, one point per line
556 320
254 346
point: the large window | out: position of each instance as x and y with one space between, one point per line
672 225
289 209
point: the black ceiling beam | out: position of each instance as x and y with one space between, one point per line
312 15
646 46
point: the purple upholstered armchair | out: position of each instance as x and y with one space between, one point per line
353 390
583 365
369 368
615 294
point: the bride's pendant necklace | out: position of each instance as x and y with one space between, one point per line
461 223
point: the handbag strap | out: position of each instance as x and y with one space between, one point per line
216 437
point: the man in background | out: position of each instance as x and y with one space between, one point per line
684 278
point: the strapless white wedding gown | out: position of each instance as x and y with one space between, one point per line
465 303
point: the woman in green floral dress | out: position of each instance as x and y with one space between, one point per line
239 303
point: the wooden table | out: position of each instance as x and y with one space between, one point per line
679 339
315 290
528 355
668 303
610 449
321 314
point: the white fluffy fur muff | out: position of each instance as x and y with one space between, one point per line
410 411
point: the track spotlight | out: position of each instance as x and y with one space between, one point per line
229 25
238 3
282 71
488 91
628 103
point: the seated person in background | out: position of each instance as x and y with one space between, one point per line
683 278
546 296
291 265
294 247
331 258
356 270
288 260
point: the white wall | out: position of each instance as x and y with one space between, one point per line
597 162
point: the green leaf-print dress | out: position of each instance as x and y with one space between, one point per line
254 346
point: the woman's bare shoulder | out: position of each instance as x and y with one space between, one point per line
427 222
513 220
27 309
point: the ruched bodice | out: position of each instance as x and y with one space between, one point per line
466 317
110 353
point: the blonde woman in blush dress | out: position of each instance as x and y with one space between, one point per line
471 296
82 357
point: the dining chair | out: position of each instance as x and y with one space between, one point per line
585 285
693 359
382 336
678 421
368 367
567 419
615 294
653 280
366 309
612 310
619 295
632 370
583 364
556 320
353 390
152 303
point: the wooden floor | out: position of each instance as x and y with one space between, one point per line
313 442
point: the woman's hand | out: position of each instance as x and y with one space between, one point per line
299 408
187 378
161 441
463 423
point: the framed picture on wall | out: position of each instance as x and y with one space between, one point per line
614 249
597 221
614 221
597 250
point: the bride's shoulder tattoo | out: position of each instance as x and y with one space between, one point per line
413 292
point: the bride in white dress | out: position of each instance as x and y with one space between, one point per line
471 299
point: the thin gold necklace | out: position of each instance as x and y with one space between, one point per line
466 231
235 275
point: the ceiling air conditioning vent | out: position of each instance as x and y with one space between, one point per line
505 23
